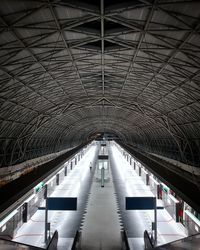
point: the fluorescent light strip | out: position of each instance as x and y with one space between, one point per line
29 198
60 170
144 171
3 228
173 198
50 180
157 183
193 217
5 220
165 185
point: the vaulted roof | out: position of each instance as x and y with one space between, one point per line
72 69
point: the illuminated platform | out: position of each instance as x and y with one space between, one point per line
76 184
101 215
129 183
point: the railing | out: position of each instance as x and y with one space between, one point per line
148 244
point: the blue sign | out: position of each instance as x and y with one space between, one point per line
140 203
61 203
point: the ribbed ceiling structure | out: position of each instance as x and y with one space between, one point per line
72 69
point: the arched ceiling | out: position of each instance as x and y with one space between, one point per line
71 69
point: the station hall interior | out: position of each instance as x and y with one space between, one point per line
99 124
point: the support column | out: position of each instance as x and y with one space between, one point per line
46 216
66 171
155 221
102 177
57 179
147 179
140 171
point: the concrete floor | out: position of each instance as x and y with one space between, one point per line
101 228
